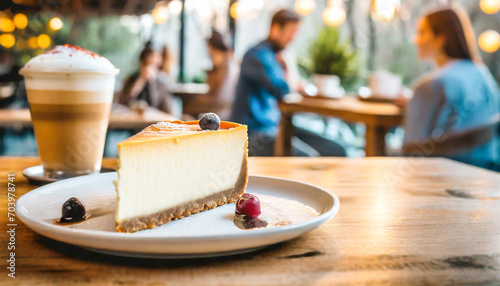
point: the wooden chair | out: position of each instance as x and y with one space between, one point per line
455 142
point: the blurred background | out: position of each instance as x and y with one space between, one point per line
380 32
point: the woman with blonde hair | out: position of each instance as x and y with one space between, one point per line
459 94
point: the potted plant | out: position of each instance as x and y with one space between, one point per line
331 62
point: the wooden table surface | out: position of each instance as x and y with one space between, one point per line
377 116
396 225
121 117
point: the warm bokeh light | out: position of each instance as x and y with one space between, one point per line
55 24
175 7
235 10
43 41
6 25
384 10
7 40
32 42
160 14
304 7
334 16
490 6
21 21
489 41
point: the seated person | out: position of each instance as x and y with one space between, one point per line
148 84
262 83
222 80
12 90
460 94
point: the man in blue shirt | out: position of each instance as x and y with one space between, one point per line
262 83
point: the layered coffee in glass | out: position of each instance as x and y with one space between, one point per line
70 92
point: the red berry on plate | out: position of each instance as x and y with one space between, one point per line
249 205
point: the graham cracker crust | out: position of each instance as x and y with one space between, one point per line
187 209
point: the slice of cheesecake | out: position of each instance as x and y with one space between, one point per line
171 170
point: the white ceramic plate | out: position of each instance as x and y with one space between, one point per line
210 233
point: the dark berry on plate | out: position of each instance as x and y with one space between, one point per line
73 210
250 222
210 121
249 205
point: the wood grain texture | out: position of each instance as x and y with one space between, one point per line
397 225
377 117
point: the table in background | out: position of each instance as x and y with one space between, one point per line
396 225
378 118
121 117
189 88
188 91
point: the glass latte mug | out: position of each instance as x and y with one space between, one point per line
70 107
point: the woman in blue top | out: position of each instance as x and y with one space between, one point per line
460 94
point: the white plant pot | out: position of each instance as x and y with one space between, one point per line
328 85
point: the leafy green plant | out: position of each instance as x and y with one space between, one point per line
329 55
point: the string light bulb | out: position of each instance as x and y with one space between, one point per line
334 14
55 24
7 40
489 41
490 6
384 10
32 42
43 41
20 21
160 14
235 10
304 7
175 7
6 25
